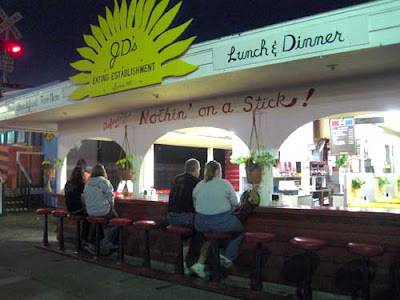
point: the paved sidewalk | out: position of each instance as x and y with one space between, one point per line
27 272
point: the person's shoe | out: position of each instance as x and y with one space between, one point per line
186 269
89 248
225 262
114 247
199 270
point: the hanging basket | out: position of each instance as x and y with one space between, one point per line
125 174
49 172
254 176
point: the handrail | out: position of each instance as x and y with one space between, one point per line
22 167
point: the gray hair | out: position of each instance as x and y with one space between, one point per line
192 165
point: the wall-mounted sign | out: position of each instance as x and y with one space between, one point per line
132 47
342 136
43 101
287 43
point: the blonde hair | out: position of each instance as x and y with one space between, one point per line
98 170
211 169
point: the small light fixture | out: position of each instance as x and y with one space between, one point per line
332 67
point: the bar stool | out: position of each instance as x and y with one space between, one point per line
78 239
121 223
183 232
146 225
310 245
366 251
60 213
215 238
98 221
258 238
45 211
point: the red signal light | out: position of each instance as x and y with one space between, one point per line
13 48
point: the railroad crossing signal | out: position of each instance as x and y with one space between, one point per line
7 26
6 63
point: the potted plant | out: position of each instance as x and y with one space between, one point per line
398 185
357 183
255 164
50 167
341 161
382 182
125 167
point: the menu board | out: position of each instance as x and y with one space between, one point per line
342 136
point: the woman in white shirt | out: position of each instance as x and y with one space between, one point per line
213 199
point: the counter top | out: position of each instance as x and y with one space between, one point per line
298 210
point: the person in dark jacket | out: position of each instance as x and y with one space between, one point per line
73 191
73 197
181 212
180 207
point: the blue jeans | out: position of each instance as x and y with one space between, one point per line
225 222
180 218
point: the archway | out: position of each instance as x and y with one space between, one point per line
95 151
166 156
367 142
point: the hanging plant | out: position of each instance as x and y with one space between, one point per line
258 159
49 171
125 163
48 137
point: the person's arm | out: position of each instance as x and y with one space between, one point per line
108 192
231 193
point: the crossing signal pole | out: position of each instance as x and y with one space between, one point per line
9 46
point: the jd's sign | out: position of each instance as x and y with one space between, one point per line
132 47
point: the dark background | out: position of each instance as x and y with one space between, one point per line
53 29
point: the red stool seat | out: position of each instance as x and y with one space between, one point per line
76 217
145 224
365 249
308 243
178 229
217 235
259 237
44 211
59 213
120 222
97 220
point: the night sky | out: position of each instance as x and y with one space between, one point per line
53 29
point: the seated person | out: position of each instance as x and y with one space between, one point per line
99 200
213 201
82 163
181 212
73 198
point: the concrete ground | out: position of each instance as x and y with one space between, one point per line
27 272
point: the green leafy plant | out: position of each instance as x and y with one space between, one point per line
383 181
341 161
257 158
356 183
55 162
125 163
398 181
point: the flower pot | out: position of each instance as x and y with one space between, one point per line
48 186
49 172
357 196
254 176
126 174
